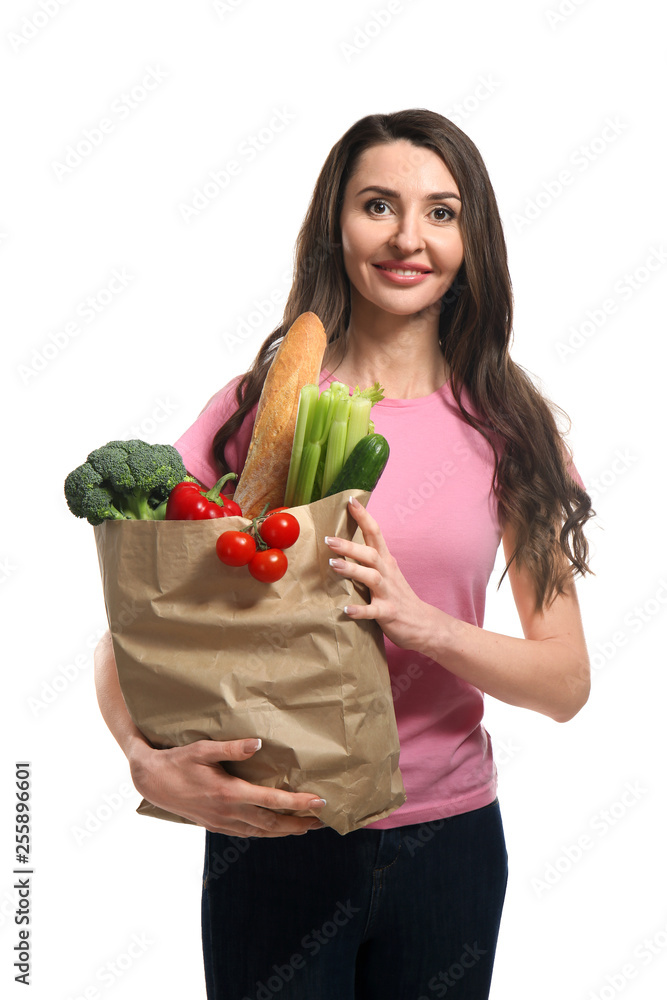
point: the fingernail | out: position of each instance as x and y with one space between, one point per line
316 802
250 746
329 540
353 502
336 563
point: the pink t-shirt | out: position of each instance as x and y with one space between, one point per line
437 512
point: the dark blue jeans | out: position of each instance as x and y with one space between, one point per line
406 914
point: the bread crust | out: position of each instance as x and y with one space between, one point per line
297 362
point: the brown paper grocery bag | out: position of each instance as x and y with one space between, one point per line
205 651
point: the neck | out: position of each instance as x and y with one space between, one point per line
400 352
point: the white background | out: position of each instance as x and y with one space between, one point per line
536 91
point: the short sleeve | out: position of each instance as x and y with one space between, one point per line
196 445
572 469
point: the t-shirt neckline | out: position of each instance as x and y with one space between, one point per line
441 393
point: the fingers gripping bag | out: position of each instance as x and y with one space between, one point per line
205 651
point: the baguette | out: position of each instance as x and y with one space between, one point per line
297 362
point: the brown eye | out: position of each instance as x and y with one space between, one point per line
375 202
449 213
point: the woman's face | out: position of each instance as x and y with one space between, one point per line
401 207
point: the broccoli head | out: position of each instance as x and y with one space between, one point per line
124 480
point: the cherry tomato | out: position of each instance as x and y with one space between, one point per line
280 530
235 548
268 565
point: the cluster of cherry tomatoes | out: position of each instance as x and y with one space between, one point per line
260 545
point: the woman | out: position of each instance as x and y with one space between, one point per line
402 256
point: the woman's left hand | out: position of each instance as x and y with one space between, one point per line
394 605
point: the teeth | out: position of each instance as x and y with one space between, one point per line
395 270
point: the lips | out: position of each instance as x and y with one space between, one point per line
398 272
400 265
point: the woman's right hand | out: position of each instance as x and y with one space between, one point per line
190 782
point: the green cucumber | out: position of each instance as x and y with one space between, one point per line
364 465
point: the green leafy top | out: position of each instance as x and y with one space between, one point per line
374 392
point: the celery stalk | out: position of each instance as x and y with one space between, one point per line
307 470
327 426
317 482
357 428
340 390
336 443
304 419
325 435
320 425
318 435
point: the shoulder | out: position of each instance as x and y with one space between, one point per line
223 402
195 445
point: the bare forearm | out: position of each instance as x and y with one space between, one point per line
548 671
546 675
112 704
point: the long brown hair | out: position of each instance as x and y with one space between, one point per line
534 490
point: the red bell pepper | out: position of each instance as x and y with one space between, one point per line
193 502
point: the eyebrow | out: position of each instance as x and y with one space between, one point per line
436 196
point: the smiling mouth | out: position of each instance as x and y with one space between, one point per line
400 270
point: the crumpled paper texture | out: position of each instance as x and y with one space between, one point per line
205 651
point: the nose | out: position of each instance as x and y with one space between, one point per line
407 236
